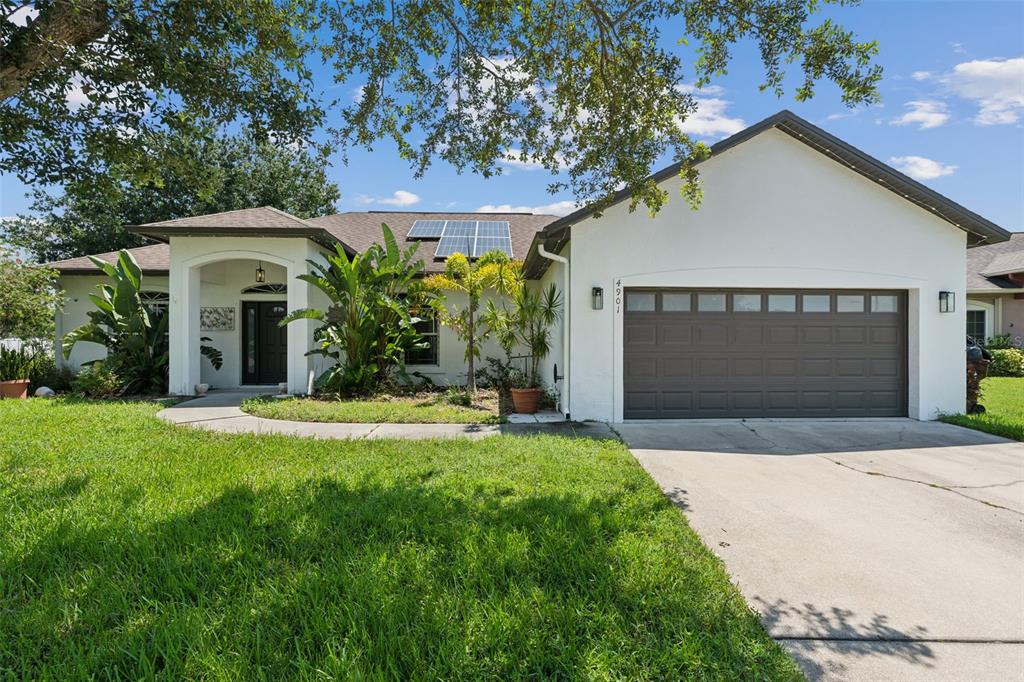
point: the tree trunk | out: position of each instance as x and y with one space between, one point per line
471 379
38 46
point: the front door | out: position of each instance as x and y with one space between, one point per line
264 343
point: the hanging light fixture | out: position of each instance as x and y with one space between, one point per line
261 275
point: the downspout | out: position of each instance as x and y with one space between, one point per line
544 253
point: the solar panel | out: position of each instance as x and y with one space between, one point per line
492 235
474 238
427 229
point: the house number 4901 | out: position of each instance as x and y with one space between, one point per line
618 296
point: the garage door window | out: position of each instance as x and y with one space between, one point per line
746 303
782 303
883 304
817 303
846 303
711 303
640 302
675 303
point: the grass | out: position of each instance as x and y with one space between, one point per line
133 548
1003 398
431 408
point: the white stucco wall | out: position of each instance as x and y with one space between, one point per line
775 214
220 284
559 333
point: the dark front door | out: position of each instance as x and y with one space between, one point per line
757 353
264 343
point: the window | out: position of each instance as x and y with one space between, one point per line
976 325
782 303
883 304
846 303
675 303
711 303
746 303
428 329
817 303
155 301
269 288
637 302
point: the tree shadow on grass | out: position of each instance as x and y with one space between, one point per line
398 581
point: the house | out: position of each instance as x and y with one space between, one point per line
995 290
813 281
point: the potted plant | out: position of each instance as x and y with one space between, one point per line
525 396
15 366
532 314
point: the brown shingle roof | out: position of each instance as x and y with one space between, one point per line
361 229
264 217
356 230
997 259
154 259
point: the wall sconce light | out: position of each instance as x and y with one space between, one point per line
947 302
597 293
261 275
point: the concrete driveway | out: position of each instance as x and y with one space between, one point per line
873 549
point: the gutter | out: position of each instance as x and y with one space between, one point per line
544 253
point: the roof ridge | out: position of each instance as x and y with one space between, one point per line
286 214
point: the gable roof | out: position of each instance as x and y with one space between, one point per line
987 266
154 259
265 221
360 229
979 229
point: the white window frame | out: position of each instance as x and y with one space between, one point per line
990 316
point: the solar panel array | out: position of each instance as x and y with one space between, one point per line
472 238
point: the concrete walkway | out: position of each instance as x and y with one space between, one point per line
873 549
219 411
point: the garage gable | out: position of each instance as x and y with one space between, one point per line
978 229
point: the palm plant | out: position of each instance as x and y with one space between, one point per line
524 318
369 325
135 337
493 271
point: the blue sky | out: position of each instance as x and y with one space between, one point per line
952 116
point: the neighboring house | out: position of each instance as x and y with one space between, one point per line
995 290
813 281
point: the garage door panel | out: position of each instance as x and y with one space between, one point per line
778 362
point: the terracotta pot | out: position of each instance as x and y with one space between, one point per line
526 400
16 388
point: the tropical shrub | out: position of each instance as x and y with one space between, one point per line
97 381
524 318
134 336
1003 341
45 372
1007 362
29 297
457 395
369 325
493 271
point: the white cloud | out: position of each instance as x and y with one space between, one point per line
920 168
958 48
399 198
21 15
927 113
921 75
710 119
556 208
995 85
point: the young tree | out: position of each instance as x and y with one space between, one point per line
229 172
493 271
29 299
596 88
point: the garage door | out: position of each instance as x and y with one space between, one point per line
754 353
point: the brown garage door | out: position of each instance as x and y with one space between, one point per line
760 353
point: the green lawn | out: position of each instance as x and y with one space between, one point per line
1003 398
421 409
133 548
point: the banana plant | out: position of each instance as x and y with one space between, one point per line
369 325
135 337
